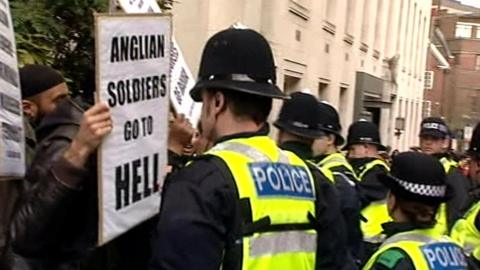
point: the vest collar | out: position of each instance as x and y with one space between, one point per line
391 228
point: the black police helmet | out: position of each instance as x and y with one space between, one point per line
364 132
435 127
239 60
418 177
299 115
474 148
330 121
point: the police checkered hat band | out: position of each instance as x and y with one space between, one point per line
437 191
435 126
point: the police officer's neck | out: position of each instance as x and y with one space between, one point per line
284 137
331 150
228 125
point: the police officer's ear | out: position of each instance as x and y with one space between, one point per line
331 139
220 103
391 203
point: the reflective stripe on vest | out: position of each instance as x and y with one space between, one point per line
426 249
335 160
448 164
279 186
294 241
466 233
371 165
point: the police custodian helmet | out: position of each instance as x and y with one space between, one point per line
364 132
330 121
300 116
239 60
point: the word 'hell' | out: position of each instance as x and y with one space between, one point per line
136 180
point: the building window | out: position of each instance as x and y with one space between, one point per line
322 91
291 84
428 80
477 62
463 30
343 102
298 35
477 32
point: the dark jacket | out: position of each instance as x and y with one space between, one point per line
302 150
369 188
200 219
54 226
460 187
345 182
345 185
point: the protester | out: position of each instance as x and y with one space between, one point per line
329 158
56 221
363 145
434 137
467 229
180 136
200 144
42 89
417 188
212 213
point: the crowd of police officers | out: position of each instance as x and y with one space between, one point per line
250 202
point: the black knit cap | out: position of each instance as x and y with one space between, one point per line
474 148
330 121
239 60
417 177
35 79
435 127
299 115
364 132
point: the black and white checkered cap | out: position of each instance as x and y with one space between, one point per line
423 189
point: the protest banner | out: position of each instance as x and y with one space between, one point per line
181 77
12 150
133 61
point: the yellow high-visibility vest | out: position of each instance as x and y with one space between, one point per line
281 190
335 160
466 233
375 213
427 250
448 164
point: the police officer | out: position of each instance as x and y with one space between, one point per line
417 188
298 124
327 155
467 229
363 145
329 158
245 204
434 137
